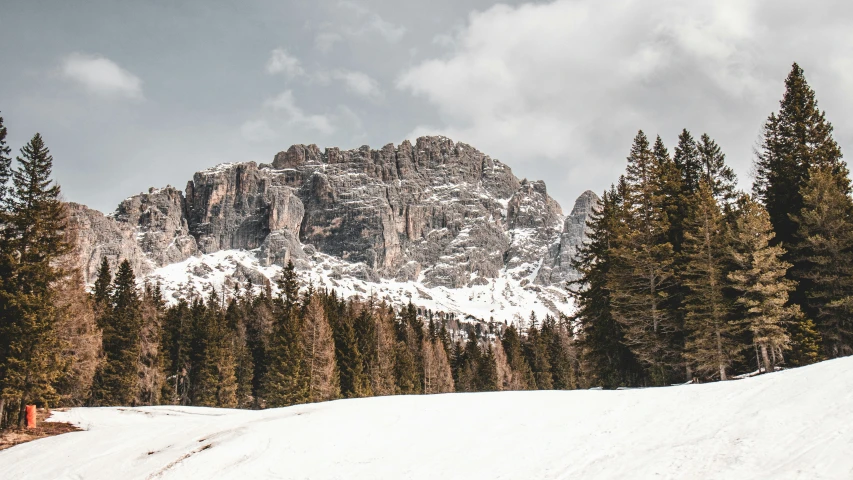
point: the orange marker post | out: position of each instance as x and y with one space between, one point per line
31 416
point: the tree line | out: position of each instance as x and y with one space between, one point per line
686 278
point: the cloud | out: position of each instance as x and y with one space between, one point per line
372 22
257 131
326 40
285 104
281 61
101 76
358 82
564 86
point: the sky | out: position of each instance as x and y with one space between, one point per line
130 95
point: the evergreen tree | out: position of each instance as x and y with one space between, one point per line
437 375
522 376
604 358
688 162
286 378
103 284
711 338
235 318
467 363
794 140
150 369
487 371
641 281
760 282
116 378
5 163
354 381
556 340
383 378
717 175
823 257
176 336
319 353
33 239
536 351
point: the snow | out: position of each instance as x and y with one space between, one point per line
508 298
792 424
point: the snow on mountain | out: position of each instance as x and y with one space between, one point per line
501 299
792 424
438 223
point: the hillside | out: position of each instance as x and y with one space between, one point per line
791 424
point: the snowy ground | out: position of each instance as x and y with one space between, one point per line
791 424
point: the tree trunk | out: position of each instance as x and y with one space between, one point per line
766 359
22 414
2 405
720 355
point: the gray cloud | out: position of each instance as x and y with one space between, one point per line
563 86
556 89
101 76
281 61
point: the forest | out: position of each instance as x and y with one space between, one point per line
684 279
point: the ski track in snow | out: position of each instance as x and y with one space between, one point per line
793 424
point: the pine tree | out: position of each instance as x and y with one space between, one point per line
176 337
466 364
32 241
354 381
286 376
823 257
80 339
150 369
319 353
5 163
536 352
604 359
641 279
796 139
383 379
235 319
711 337
688 162
760 282
556 340
487 371
522 376
103 284
720 177
116 379
437 375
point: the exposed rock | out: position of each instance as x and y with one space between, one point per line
438 212
100 236
574 234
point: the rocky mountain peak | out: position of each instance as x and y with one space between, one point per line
436 213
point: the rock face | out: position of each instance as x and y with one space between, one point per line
573 235
436 212
99 237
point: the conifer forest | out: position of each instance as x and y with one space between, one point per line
684 278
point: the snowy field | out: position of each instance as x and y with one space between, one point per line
791 424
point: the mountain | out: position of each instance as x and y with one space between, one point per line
438 223
792 424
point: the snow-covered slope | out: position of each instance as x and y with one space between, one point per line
505 298
786 425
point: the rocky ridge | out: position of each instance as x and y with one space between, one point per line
432 215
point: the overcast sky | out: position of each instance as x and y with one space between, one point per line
135 94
